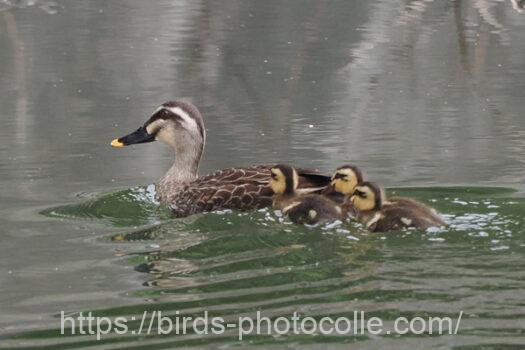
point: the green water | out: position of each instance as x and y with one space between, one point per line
233 264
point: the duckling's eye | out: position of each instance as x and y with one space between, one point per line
273 176
360 194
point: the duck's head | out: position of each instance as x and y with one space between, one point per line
345 179
368 196
283 179
177 123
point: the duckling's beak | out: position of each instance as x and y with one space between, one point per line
138 136
329 188
334 178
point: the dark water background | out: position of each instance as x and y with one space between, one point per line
418 93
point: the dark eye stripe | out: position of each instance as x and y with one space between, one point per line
360 194
191 110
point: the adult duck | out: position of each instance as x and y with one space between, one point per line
180 125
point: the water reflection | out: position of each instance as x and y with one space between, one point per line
405 89
518 5
432 103
47 6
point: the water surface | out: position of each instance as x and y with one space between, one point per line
421 94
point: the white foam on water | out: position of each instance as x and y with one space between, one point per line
222 212
436 229
145 194
501 247
333 224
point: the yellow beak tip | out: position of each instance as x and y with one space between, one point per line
117 143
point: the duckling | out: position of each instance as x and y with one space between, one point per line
379 214
342 186
301 209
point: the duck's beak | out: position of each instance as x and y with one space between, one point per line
138 136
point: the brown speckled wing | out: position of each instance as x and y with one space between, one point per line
236 188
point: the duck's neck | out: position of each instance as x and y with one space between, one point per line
183 171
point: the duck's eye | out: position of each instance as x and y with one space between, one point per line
273 176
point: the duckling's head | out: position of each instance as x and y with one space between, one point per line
283 179
346 178
368 196
177 123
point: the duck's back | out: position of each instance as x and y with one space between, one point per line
311 209
421 209
234 188
395 217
